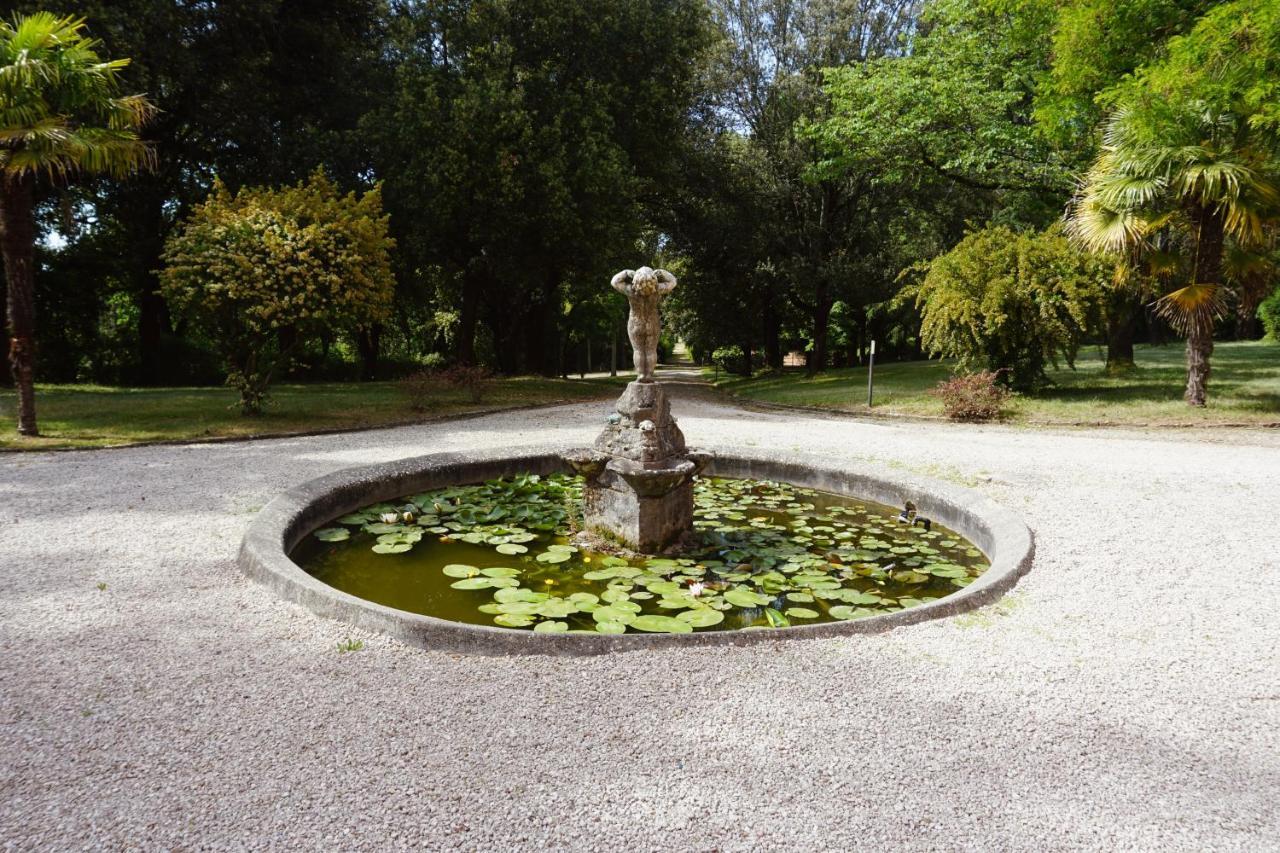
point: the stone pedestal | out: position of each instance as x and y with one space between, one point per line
639 473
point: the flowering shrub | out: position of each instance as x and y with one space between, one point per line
261 267
973 397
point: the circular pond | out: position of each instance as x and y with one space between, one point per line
761 526
763 554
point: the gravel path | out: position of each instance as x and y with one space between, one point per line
1125 695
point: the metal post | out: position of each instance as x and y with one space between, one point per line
871 369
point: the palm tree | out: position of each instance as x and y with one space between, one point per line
1207 173
60 113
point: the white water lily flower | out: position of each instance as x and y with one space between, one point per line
407 517
389 518
696 588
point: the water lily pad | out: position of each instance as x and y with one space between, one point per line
584 598
844 611
520 608
460 570
800 597
661 625
519 594
333 534
556 608
500 572
611 627
511 620
511 548
551 627
775 617
701 617
473 583
745 598
612 614
388 548
554 557
910 577
802 613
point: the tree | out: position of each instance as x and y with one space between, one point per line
524 143
1010 301
1192 146
263 270
816 230
61 113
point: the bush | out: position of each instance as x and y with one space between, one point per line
1011 301
1269 314
248 267
731 360
973 397
425 385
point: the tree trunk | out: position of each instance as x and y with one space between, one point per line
821 328
153 322
369 343
472 288
1208 270
772 338
613 348
17 242
1121 324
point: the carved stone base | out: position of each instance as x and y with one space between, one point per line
644 509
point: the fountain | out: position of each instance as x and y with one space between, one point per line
636 541
638 476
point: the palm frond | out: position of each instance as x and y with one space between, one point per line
1196 306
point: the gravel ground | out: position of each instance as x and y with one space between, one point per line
1125 695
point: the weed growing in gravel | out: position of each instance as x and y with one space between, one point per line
102 587
350 645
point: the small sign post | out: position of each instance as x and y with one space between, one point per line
871 369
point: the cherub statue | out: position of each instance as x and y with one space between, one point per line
644 288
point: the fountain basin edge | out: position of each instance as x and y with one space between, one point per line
1001 535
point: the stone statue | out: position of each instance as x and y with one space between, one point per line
644 289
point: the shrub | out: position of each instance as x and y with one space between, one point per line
973 397
262 271
1001 300
1269 314
425 385
469 378
731 359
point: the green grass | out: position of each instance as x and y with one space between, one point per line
96 416
1244 388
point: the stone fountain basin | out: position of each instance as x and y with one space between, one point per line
1007 542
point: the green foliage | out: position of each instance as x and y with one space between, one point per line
731 359
955 104
1269 314
350 645
262 269
1095 44
61 109
1011 301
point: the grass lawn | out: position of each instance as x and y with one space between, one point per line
1244 388
96 416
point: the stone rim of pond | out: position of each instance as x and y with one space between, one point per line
1001 535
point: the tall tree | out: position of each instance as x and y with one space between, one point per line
61 113
1193 145
522 148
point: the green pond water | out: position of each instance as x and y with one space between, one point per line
768 555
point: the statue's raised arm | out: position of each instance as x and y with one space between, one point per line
666 282
622 282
